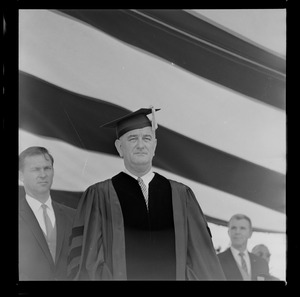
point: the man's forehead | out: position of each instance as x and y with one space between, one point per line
141 131
37 159
239 222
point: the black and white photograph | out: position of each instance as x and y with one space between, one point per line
152 144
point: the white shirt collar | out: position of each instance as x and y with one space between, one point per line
146 178
236 252
36 204
238 259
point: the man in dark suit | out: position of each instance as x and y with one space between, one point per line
236 261
44 225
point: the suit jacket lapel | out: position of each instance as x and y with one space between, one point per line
30 219
253 267
60 227
234 266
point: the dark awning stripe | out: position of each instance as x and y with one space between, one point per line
223 59
48 110
205 31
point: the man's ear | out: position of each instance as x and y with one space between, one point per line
118 147
250 234
155 147
21 178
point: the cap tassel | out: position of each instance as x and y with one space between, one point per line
154 124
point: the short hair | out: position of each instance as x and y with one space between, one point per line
34 151
240 216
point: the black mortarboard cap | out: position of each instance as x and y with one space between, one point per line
134 120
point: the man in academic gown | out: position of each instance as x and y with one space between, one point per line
43 244
139 225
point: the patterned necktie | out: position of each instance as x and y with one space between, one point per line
144 190
50 236
244 265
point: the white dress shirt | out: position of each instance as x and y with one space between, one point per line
146 178
238 258
37 209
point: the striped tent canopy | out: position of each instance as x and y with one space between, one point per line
222 123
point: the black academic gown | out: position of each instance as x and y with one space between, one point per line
98 248
149 233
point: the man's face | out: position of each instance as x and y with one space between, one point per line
137 147
37 175
239 232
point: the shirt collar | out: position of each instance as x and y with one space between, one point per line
236 252
146 178
35 204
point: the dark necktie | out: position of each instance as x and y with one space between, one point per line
244 265
144 189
